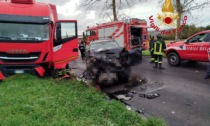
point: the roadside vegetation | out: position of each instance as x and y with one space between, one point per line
147 53
29 100
187 31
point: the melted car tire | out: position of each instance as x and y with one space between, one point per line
174 59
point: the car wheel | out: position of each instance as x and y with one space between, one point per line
174 59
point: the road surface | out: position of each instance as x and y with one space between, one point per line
184 94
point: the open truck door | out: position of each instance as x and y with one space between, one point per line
65 48
135 54
137 43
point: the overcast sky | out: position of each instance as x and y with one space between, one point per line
69 9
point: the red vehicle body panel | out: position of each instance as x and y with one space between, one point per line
51 56
192 50
120 31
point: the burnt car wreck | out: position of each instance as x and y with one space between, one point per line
108 64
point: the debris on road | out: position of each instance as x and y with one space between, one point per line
136 81
123 97
173 112
150 96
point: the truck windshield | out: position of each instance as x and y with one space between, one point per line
24 32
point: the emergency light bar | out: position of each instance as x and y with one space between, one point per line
23 1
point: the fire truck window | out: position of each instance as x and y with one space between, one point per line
24 32
68 30
88 33
92 33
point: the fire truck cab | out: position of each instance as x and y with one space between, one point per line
33 40
194 48
121 31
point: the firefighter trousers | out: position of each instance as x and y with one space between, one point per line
208 70
152 56
158 59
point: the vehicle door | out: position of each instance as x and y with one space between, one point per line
135 53
193 47
65 43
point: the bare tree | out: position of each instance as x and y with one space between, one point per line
187 6
105 5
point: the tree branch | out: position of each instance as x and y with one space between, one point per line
196 7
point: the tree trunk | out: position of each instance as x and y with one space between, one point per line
180 12
114 10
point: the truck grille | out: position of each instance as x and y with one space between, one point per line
15 58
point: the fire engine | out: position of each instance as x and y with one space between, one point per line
33 40
194 48
121 31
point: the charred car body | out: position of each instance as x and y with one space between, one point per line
107 63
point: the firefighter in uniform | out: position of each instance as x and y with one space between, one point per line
208 70
159 48
82 49
151 44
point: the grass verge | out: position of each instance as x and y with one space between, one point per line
28 101
147 53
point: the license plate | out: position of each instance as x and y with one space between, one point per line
19 71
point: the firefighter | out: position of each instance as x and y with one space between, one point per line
159 48
151 43
82 49
208 70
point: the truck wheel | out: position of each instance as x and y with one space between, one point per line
52 73
174 59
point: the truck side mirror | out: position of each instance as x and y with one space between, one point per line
58 31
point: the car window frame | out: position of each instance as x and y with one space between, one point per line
199 37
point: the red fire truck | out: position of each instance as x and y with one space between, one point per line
122 31
194 48
33 40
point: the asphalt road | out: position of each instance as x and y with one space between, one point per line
185 95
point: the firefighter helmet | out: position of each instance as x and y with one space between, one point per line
159 36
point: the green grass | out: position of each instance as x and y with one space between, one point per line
30 101
147 53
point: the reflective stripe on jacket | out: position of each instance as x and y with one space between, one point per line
159 47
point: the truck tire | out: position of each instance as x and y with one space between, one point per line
173 59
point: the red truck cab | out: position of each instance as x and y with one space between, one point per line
33 40
194 48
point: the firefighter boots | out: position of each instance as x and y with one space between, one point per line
161 67
151 62
156 65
